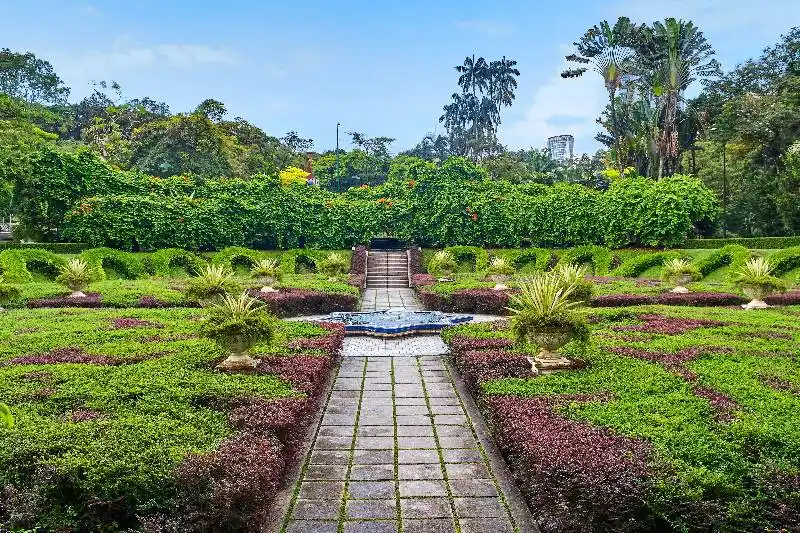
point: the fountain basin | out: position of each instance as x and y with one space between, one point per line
395 323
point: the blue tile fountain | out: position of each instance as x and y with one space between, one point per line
395 323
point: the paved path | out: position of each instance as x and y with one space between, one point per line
381 299
401 448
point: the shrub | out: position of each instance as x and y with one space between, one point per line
500 266
754 243
126 263
358 262
732 255
293 261
756 279
162 261
539 257
55 247
234 256
442 264
15 264
600 258
333 265
288 302
676 269
571 276
6 418
473 258
8 292
642 262
785 260
237 324
76 275
267 271
543 304
212 283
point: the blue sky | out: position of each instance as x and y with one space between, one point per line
382 68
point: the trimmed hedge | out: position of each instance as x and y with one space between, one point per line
162 261
237 255
302 302
55 247
785 261
475 257
126 263
600 257
290 259
732 255
480 301
754 243
638 264
14 264
540 257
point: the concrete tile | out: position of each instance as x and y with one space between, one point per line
422 488
462 456
330 457
373 457
317 509
429 525
374 443
371 489
371 509
482 525
418 457
419 471
326 473
416 442
425 508
472 488
321 490
372 472
479 508
311 526
371 526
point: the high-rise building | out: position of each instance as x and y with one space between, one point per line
560 147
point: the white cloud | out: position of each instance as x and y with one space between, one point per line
560 106
488 28
126 55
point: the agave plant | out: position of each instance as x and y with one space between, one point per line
7 292
442 264
757 282
679 272
334 264
236 324
6 418
212 283
267 271
500 270
574 275
76 275
544 314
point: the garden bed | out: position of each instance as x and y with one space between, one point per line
684 419
122 421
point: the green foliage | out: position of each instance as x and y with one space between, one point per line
757 273
238 323
334 264
543 304
785 260
294 261
8 292
754 243
55 247
527 259
677 268
572 277
443 263
15 264
500 266
127 264
639 263
267 269
732 255
234 256
163 261
599 257
213 282
6 418
469 258
76 274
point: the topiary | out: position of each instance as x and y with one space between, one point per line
233 256
642 262
443 263
333 265
785 260
162 261
600 257
732 255
8 292
477 259
292 258
125 262
14 264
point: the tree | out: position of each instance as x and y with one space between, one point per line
296 143
213 110
610 51
431 148
31 79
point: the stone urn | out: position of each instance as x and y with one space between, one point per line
238 359
680 281
77 294
266 283
756 293
499 281
549 341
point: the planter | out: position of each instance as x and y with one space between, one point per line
549 341
499 280
238 359
679 281
77 294
756 293
266 283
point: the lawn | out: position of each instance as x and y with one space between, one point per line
122 420
684 419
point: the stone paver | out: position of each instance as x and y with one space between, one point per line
396 450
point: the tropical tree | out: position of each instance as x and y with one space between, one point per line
23 75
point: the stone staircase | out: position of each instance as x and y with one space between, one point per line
387 269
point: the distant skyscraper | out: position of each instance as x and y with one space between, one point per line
560 147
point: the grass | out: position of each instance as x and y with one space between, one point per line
719 430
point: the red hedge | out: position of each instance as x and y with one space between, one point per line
301 302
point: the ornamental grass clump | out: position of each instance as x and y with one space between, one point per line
442 264
573 275
267 272
757 282
679 272
236 324
544 315
334 265
499 271
211 284
76 275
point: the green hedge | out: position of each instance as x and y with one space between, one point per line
55 247
540 257
126 263
15 265
754 243
236 255
732 255
601 258
290 259
785 260
474 258
162 261
640 263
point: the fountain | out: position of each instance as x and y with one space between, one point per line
395 322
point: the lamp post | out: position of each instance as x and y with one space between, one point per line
338 181
724 190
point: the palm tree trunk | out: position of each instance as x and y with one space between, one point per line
614 131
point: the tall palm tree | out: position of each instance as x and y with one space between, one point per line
610 51
503 81
474 78
678 55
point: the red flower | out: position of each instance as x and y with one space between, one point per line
411 183
474 216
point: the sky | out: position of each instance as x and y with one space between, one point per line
381 68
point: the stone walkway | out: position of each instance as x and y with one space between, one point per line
401 448
381 299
